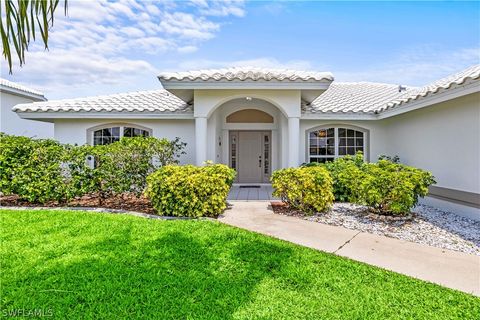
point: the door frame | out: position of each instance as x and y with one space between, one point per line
234 156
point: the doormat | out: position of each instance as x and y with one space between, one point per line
249 186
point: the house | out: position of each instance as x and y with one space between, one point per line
12 94
258 120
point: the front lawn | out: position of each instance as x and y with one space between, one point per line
92 265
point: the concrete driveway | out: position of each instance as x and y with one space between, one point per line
451 269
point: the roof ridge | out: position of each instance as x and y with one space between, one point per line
245 73
445 83
373 83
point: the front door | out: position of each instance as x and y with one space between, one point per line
252 161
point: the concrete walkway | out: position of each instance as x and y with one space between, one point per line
447 268
255 192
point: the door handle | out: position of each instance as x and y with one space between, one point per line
260 161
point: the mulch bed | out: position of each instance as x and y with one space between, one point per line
125 201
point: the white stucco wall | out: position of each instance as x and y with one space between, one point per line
207 101
74 131
11 123
443 138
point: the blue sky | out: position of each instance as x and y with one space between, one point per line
106 47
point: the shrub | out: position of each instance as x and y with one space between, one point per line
394 159
387 186
123 166
308 189
42 170
347 174
392 188
190 191
31 168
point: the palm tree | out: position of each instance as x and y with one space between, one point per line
21 21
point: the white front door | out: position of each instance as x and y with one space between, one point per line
250 155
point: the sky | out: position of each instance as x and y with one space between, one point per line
105 47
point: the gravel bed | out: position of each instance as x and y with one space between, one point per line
428 226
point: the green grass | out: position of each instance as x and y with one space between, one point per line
91 265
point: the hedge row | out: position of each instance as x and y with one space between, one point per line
386 186
43 170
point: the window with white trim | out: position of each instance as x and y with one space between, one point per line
109 135
326 144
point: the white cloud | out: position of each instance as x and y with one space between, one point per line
187 49
188 26
132 32
223 8
103 43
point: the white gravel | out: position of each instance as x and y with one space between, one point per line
429 226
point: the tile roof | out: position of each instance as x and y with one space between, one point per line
8 85
340 97
156 101
246 74
368 97
471 73
354 97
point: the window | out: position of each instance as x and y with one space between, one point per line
326 144
109 135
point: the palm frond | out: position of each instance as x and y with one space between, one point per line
21 20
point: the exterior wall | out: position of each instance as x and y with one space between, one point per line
74 131
11 123
207 101
376 142
444 139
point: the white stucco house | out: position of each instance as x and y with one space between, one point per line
259 120
12 94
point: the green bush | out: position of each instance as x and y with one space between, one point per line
347 174
31 168
190 191
308 189
42 170
123 166
392 188
387 186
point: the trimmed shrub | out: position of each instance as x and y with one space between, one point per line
190 191
392 188
347 174
387 186
308 189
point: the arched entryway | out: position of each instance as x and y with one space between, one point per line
249 138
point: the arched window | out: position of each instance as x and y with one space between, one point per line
327 143
110 133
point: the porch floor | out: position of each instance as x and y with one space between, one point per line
249 193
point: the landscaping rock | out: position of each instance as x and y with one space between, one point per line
426 225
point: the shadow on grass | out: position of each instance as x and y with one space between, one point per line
172 276
119 267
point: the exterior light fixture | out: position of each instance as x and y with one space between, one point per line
248 98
